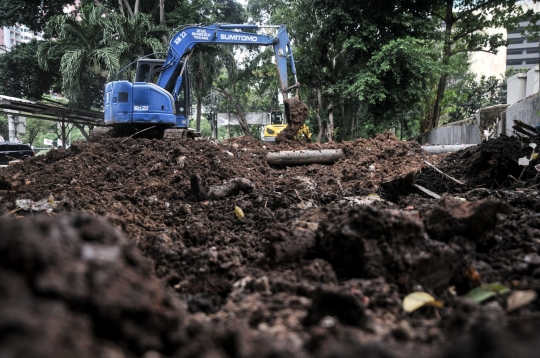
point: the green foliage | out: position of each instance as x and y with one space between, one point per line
465 99
35 128
4 130
394 78
32 13
206 12
22 77
466 29
95 44
467 93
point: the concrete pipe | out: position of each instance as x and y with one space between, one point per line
304 157
439 149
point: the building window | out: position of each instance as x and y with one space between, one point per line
532 61
532 50
516 31
516 41
514 51
514 62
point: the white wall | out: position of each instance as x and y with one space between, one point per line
516 88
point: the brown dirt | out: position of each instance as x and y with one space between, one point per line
133 262
297 113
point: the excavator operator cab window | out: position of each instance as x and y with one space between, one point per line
155 73
143 73
148 70
276 118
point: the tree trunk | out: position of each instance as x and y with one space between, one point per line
318 111
437 106
242 120
449 21
63 134
330 127
353 117
121 6
83 131
128 8
164 38
162 12
136 8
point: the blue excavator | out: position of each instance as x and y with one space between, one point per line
159 98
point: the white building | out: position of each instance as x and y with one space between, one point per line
14 35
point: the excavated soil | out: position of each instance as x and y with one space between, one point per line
193 248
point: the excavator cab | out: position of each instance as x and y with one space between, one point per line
148 70
277 124
276 117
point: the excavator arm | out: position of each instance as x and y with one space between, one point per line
185 40
164 104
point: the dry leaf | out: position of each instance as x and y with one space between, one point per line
415 300
519 299
239 212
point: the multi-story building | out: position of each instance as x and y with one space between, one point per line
522 53
14 35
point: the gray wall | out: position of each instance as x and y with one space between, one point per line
471 131
456 134
525 110
468 131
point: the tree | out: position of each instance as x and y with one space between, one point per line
464 98
465 22
394 79
22 77
95 44
32 13
34 128
4 129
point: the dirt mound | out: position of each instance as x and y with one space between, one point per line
317 265
73 285
369 243
492 164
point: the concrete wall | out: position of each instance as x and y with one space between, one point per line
452 134
533 75
499 118
517 85
468 131
525 110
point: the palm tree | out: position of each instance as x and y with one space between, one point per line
96 43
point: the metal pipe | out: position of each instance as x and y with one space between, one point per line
303 157
439 149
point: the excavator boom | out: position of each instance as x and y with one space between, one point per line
165 104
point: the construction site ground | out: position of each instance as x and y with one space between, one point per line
137 248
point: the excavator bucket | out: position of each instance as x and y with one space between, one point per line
297 112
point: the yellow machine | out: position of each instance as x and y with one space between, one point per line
278 124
